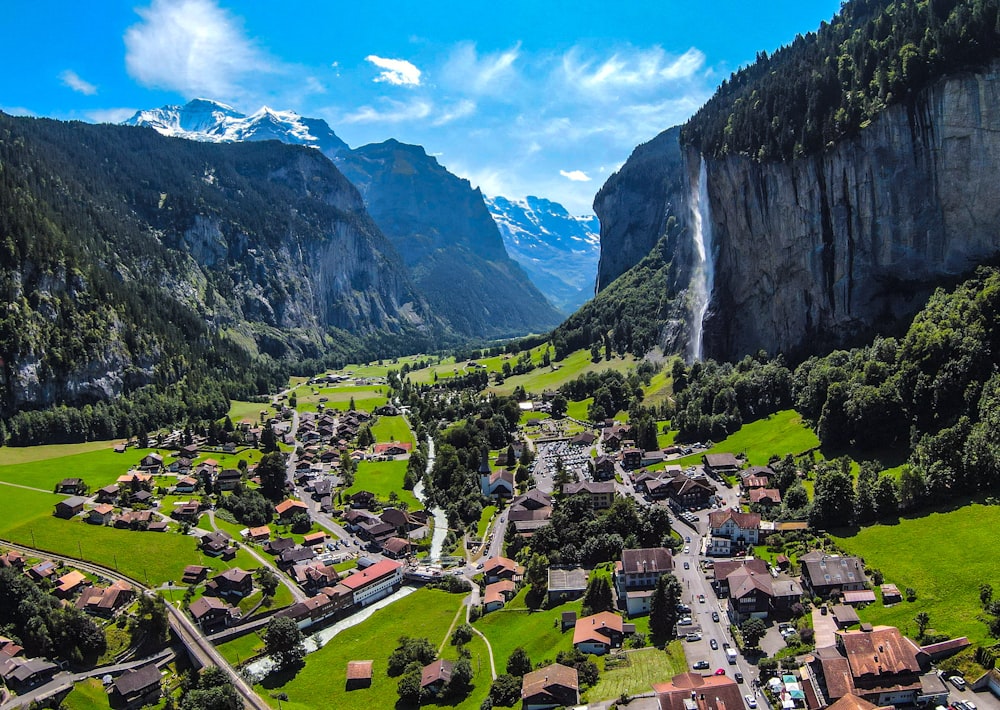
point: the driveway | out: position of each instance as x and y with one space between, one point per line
825 628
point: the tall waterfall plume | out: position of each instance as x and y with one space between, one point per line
703 276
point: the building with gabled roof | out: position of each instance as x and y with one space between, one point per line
497 594
599 633
731 531
436 675
691 691
553 686
359 674
602 493
566 583
636 575
497 568
824 574
375 582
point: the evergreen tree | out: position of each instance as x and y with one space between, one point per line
663 608
598 596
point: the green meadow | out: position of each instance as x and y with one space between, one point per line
641 669
388 429
383 478
781 433
45 467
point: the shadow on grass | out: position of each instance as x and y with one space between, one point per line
945 506
886 457
281 677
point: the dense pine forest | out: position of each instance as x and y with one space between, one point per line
828 84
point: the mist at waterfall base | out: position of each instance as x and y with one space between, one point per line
703 276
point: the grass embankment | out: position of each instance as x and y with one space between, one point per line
944 557
321 683
559 373
535 631
781 433
637 673
383 478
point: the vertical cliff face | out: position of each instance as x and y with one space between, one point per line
824 250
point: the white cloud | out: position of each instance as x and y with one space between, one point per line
575 175
71 79
110 115
487 74
463 108
398 72
193 47
394 112
629 69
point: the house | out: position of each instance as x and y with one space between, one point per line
688 492
133 519
636 575
70 506
498 568
359 674
290 507
844 616
186 484
891 594
691 691
824 574
396 547
158 526
259 534
194 574
530 511
43 570
12 558
108 494
566 584
322 489
227 479
499 483
213 614
373 583
233 582
70 583
613 436
752 590
326 604
189 512
732 530
151 462
765 496
141 497
602 493
877 664
20 673
719 465
71 486
585 439
598 633
631 458
436 675
604 468
362 499
135 481
393 448
294 556
279 545
312 539
105 601
553 686
498 594
189 451
218 544
101 514
314 576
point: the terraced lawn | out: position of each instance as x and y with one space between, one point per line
946 559
427 613
644 667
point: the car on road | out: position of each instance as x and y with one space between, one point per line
720 671
715 616
725 644
714 644
687 538
738 676
751 701
686 549
701 598
700 665
687 565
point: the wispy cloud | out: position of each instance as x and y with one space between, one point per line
397 72
575 175
110 115
628 69
71 79
390 112
193 47
461 109
471 72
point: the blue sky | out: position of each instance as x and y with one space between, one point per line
542 98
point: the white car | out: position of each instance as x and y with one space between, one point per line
958 681
751 701
687 549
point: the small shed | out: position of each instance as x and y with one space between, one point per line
359 674
844 616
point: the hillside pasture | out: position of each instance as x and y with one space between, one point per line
781 433
97 467
383 478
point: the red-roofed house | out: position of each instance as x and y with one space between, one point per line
373 583
289 507
690 691
553 686
497 568
598 633
498 594
732 530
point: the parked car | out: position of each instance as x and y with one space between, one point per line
958 681
751 701
693 636
700 665
686 549
714 644
725 644
701 598
715 616
685 621
720 671
687 538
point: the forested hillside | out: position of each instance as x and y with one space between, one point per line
829 84
147 280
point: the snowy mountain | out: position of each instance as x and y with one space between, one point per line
557 250
207 120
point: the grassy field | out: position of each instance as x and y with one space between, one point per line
428 613
388 429
537 632
780 433
23 507
946 558
382 478
571 367
484 520
660 389
645 666
240 649
86 695
27 454
238 411
366 397
44 466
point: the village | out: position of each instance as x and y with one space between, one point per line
332 548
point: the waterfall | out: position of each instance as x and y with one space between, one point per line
703 276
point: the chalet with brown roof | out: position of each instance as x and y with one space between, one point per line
631 458
133 519
891 594
397 548
604 468
71 486
602 493
233 582
212 614
259 534
598 633
294 556
553 686
227 479
189 451
498 568
218 544
19 672
186 484
731 531
152 462
435 676
108 494
70 506
289 507
401 520
392 448
189 512
374 530
279 545
613 436
101 514
636 576
12 558
691 691
316 609
752 590
359 674
765 496
70 583
194 574
314 576
877 664
105 601
137 687
498 594
530 511
362 499
43 570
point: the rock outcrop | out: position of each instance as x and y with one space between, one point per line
826 250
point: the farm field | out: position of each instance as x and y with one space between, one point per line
781 433
320 683
44 466
945 566
366 397
239 410
26 454
645 666
569 368
383 478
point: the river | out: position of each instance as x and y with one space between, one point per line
440 519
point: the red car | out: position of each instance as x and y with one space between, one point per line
720 671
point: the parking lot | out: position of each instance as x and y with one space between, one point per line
576 461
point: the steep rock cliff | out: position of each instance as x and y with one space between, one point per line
823 251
